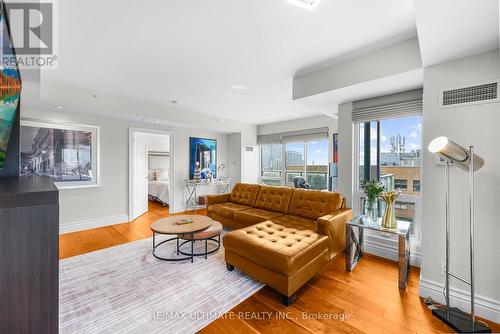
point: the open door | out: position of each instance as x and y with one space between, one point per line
140 174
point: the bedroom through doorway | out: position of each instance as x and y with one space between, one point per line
150 171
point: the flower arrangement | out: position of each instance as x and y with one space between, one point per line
372 189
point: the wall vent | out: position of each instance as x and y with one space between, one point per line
481 93
249 148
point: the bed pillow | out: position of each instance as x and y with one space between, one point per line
162 174
152 175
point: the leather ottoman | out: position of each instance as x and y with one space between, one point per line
282 257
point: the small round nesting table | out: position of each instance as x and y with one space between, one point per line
202 228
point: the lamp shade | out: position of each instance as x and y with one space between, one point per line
455 153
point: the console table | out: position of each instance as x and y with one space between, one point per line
354 244
220 186
29 255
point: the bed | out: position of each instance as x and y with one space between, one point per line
158 191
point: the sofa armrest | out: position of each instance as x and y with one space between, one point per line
333 226
217 199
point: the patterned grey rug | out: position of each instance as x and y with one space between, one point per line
124 289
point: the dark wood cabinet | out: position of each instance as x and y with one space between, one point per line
29 255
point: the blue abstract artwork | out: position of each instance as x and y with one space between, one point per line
203 152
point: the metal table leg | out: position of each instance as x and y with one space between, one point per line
354 247
403 260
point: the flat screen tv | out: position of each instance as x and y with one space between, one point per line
10 86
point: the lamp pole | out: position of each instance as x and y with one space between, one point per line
447 241
471 242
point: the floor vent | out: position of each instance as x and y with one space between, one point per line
484 93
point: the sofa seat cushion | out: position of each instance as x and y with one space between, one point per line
253 216
244 194
274 198
226 210
276 247
297 222
313 204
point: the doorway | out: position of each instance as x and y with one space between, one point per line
150 171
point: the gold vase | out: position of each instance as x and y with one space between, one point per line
389 218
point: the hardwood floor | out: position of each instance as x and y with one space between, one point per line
368 297
71 244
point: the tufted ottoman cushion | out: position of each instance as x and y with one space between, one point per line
276 247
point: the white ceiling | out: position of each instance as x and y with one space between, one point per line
195 50
453 29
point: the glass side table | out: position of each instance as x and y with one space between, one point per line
354 244
192 187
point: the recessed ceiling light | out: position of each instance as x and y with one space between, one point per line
306 4
59 107
239 87
157 122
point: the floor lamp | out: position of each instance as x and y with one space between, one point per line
465 159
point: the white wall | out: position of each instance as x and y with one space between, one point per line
469 125
346 152
108 203
158 143
234 167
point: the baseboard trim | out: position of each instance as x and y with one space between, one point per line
387 247
485 307
92 223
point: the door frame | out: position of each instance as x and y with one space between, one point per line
131 151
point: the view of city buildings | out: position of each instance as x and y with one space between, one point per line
395 160
281 163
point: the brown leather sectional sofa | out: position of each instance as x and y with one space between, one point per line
280 236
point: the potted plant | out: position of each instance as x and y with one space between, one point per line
372 190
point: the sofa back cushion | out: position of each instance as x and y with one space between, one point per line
244 194
313 204
274 199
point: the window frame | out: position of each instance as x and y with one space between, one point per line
401 181
284 171
271 178
358 194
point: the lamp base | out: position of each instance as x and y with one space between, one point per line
460 321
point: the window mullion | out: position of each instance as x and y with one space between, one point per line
305 161
378 151
367 149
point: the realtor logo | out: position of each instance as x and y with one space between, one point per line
33 35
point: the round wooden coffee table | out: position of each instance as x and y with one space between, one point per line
188 232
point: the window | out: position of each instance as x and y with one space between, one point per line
416 186
294 162
271 164
281 163
400 184
389 150
317 164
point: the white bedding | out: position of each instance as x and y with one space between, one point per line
159 189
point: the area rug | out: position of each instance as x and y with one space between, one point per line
124 289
